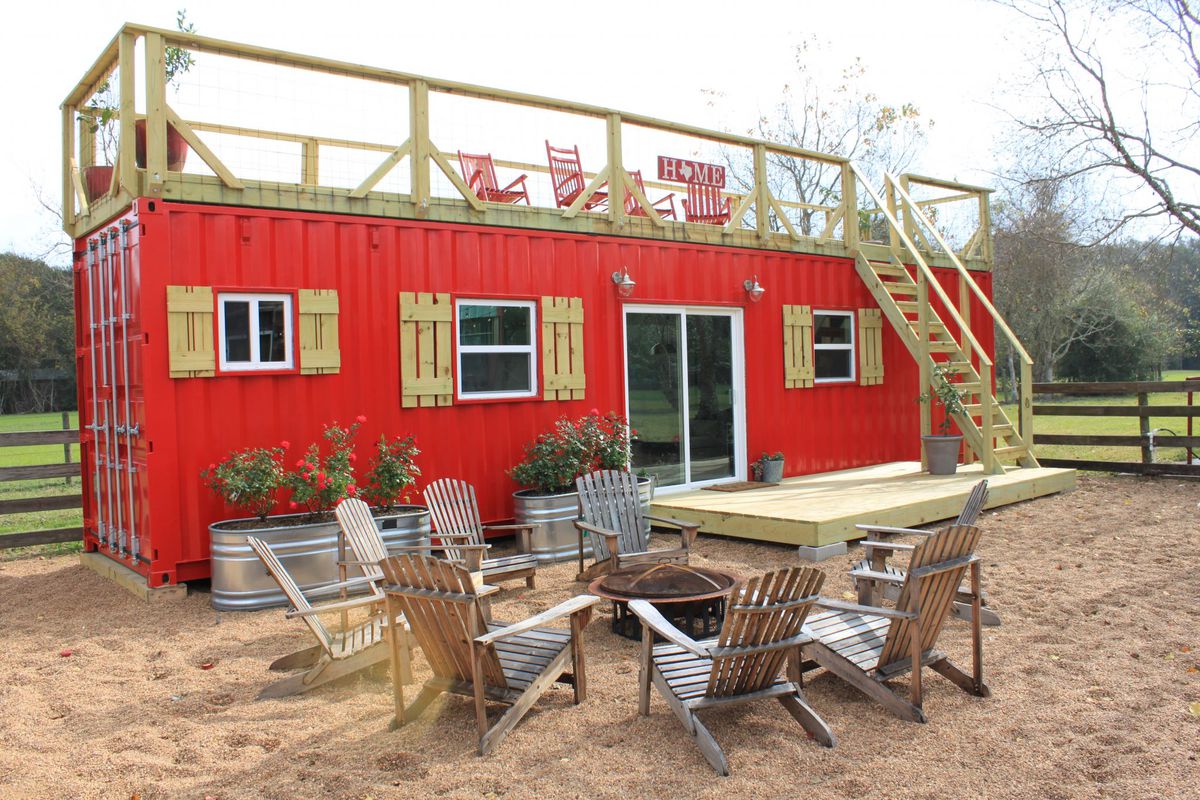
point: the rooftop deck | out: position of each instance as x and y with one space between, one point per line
272 129
821 509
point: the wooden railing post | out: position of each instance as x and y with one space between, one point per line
762 198
985 226
126 147
156 115
1025 412
418 112
309 164
66 426
68 177
988 456
850 233
616 172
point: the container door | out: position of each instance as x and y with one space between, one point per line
684 394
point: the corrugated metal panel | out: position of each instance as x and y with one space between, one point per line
369 261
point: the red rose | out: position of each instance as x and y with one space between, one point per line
292 505
595 412
351 490
352 458
310 465
285 444
300 463
361 418
212 467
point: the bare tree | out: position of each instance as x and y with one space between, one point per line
841 117
1081 73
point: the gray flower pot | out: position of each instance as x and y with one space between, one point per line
556 539
772 470
240 582
941 453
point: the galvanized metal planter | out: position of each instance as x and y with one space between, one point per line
309 552
556 539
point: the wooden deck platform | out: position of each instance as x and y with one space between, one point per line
821 509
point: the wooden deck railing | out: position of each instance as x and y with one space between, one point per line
760 219
25 505
1146 439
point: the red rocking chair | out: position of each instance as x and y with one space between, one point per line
633 209
566 174
705 204
480 174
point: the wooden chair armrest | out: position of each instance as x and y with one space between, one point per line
687 530
563 609
524 526
514 183
888 530
887 546
340 605
839 605
358 563
670 196
650 616
596 529
873 575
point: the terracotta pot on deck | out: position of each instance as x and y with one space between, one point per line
96 181
941 453
177 147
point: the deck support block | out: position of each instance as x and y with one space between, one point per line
823 552
130 580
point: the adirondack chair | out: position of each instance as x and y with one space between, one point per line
762 629
509 664
634 209
611 513
337 653
566 176
456 517
868 645
877 551
368 547
480 174
705 204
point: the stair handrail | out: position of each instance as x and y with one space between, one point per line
924 269
962 270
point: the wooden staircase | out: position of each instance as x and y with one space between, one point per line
903 293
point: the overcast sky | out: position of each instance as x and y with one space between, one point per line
946 56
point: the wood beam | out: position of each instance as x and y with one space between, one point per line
418 112
156 118
383 169
126 175
201 149
451 173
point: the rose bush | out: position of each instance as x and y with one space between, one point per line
572 448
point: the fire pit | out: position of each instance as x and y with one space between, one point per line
693 598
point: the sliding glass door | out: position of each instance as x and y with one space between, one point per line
684 393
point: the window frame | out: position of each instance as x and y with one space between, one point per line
255 365
531 349
850 347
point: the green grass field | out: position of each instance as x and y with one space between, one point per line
31 456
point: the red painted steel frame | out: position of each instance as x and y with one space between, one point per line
188 423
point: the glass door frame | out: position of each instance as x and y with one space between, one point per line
738 386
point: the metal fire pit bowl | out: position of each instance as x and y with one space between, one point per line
693 598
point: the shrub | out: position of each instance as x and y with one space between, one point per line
249 479
946 395
317 482
393 470
572 448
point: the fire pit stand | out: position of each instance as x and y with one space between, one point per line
692 598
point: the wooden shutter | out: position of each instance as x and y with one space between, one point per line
191 344
319 352
798 371
870 346
425 349
562 348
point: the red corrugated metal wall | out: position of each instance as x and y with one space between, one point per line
369 261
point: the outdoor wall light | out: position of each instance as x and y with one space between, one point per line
624 283
753 290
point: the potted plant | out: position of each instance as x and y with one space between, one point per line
385 485
941 449
104 110
768 468
306 539
551 464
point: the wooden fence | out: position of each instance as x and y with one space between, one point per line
1146 439
67 470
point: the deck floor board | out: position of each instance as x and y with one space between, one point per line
821 509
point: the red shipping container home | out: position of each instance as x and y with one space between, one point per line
219 310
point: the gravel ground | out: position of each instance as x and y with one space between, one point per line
1092 675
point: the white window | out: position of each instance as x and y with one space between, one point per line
496 349
833 345
255 331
